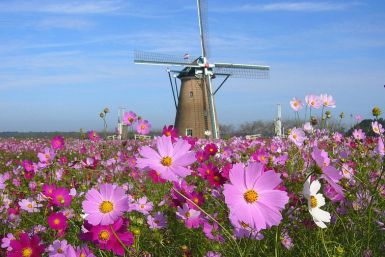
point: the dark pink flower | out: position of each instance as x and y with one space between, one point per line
211 149
57 220
57 142
170 132
25 247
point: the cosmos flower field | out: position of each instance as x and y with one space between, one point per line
313 193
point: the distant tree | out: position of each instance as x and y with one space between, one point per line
366 126
227 129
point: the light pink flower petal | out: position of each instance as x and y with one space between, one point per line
268 181
253 172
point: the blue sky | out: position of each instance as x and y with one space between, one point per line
63 62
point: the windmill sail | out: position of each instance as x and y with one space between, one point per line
204 27
141 57
242 70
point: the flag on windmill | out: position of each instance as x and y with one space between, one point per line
186 56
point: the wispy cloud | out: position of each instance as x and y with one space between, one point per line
78 7
285 6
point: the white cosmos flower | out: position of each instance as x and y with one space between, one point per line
315 201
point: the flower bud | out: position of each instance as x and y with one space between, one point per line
342 115
314 122
139 117
376 111
327 112
106 110
136 232
101 115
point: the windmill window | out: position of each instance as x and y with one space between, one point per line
189 132
191 94
205 113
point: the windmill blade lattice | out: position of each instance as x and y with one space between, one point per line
163 59
242 73
204 27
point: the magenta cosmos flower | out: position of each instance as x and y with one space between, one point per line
57 142
252 197
129 118
94 136
170 159
106 206
296 104
171 132
143 127
57 220
313 101
25 247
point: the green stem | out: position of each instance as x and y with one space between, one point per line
120 241
208 215
323 242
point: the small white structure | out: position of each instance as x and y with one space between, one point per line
278 123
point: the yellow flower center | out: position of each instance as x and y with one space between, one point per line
207 172
211 149
168 134
106 207
60 198
166 161
29 205
56 221
250 196
188 214
59 250
376 129
196 200
82 255
47 156
142 206
142 127
358 135
217 178
346 171
158 174
26 252
295 136
262 158
50 191
326 103
313 202
313 103
130 119
183 191
295 104
156 221
104 235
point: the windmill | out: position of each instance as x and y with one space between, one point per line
195 108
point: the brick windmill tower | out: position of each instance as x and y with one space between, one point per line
195 108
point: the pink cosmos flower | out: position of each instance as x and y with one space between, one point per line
61 197
106 206
190 216
359 118
46 157
156 177
377 128
26 247
331 174
58 248
57 221
206 170
6 241
313 101
252 197
143 206
158 221
29 205
2 181
380 149
170 159
104 237
327 100
94 136
211 149
143 127
212 232
170 132
297 136
296 104
307 127
129 118
359 134
57 142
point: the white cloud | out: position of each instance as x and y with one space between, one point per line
81 7
284 6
